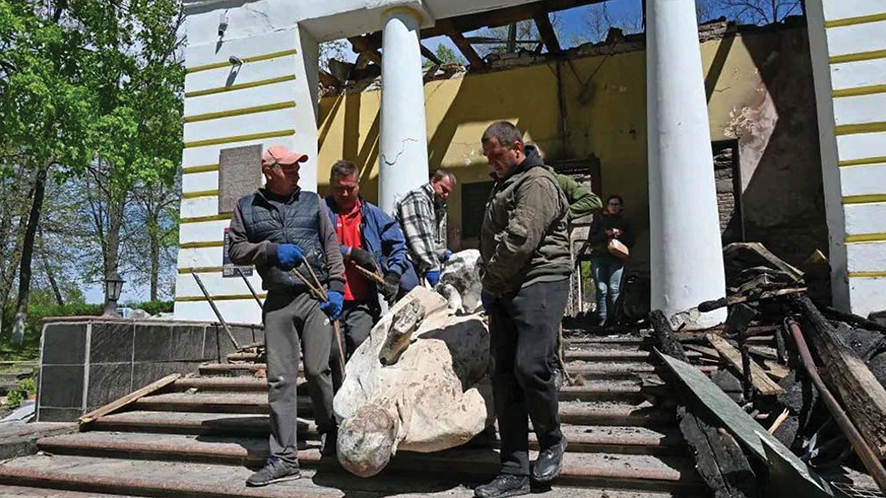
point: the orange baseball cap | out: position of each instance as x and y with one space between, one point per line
282 155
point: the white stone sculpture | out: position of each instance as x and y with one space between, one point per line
460 281
433 395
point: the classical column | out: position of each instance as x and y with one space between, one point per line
687 260
403 156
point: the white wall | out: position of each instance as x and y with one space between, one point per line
848 47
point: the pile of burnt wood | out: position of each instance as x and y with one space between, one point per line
811 376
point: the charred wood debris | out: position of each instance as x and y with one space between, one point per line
809 375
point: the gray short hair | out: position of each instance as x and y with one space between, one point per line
506 133
341 169
441 173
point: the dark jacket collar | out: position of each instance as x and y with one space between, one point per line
262 194
533 159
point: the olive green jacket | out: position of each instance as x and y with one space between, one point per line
524 237
582 202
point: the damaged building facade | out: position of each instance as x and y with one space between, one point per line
722 147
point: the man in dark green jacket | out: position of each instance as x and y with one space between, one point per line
582 202
526 266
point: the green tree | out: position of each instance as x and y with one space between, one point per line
449 56
85 85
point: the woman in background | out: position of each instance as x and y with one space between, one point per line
608 269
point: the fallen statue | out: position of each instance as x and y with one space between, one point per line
420 382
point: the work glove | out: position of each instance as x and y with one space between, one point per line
364 259
487 300
433 277
391 286
446 255
332 306
289 255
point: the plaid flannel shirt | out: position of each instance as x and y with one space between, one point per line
424 228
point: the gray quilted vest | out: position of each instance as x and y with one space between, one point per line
298 223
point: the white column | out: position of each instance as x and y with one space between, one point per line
687 258
403 157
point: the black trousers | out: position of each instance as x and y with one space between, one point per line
523 334
357 320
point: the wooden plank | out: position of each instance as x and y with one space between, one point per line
710 352
846 373
463 45
775 369
129 398
764 352
748 431
759 379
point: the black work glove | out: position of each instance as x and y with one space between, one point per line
363 259
391 287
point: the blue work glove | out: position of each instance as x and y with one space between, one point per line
446 255
289 255
332 307
433 277
487 300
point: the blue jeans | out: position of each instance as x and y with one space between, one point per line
607 276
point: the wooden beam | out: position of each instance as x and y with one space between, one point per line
503 17
129 398
463 46
759 379
546 30
367 46
846 373
425 51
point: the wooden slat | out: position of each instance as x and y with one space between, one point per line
129 398
759 379
463 45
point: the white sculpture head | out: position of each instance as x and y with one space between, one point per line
367 441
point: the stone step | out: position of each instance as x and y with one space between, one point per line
477 465
23 491
152 478
622 370
231 369
217 427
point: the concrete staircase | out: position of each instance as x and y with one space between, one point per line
202 436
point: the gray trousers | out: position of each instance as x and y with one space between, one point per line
293 320
357 320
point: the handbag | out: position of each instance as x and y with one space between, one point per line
618 249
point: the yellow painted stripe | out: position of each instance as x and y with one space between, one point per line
200 219
199 169
255 58
234 297
867 274
204 269
239 138
239 112
862 161
864 199
200 193
240 86
849 21
860 128
202 245
861 90
866 237
862 56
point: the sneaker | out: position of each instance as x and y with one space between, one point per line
549 462
275 470
328 442
502 486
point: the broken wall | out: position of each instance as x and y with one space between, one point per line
760 92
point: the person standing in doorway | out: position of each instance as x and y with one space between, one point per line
524 245
608 269
422 216
371 240
282 229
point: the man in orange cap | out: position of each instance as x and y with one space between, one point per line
280 228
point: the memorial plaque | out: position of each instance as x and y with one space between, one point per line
239 174
229 269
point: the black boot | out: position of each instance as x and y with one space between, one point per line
549 462
502 486
328 442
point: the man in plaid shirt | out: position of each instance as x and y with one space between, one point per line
422 216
